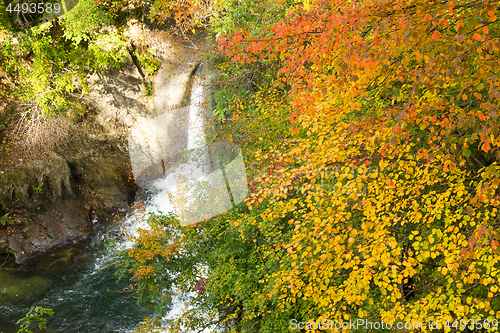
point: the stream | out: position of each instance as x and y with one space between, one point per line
75 280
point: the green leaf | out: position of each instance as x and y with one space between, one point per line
466 152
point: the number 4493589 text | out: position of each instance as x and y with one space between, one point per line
34 8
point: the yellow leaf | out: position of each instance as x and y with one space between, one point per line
307 5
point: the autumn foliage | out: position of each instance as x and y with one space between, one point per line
382 199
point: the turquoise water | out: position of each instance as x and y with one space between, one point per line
74 282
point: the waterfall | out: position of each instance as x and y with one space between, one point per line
193 179
175 162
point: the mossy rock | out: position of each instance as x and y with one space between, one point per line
12 287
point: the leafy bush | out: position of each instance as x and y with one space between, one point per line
84 21
148 62
108 49
9 219
35 315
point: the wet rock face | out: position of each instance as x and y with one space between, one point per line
59 176
54 201
106 184
119 99
48 207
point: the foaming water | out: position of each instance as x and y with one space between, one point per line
77 284
161 192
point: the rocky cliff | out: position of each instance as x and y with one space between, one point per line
64 196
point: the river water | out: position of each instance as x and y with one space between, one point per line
74 282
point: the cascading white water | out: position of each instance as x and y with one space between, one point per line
196 129
160 200
184 175
151 145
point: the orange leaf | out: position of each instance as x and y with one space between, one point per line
436 35
486 145
470 211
